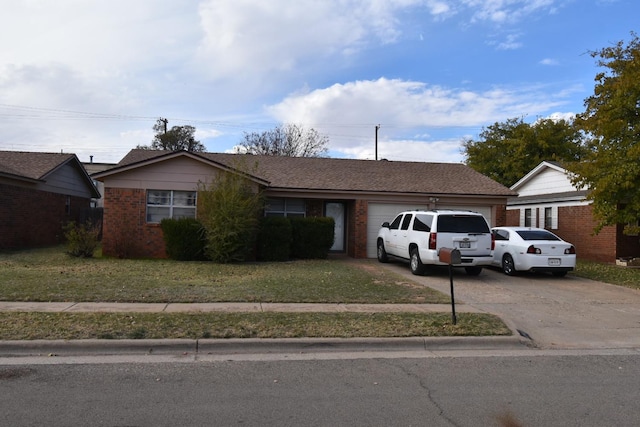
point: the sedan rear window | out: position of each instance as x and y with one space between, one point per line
462 224
537 235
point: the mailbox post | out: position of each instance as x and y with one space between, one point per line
451 256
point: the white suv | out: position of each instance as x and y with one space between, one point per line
417 236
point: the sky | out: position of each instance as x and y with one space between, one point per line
92 77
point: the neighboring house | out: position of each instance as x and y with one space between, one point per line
147 186
548 199
39 194
92 168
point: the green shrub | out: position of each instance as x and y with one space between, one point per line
274 239
229 209
183 239
82 239
312 237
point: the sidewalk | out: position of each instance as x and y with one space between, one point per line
110 307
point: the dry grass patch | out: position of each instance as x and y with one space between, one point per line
68 326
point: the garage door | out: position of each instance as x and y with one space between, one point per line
381 212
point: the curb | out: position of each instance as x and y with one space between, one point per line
95 347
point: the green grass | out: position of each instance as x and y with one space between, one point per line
50 275
609 273
67 326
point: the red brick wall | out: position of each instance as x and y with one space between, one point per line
361 213
501 215
31 218
512 218
576 225
126 233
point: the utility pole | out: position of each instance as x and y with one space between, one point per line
377 127
165 122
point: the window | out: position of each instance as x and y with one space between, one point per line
501 235
163 204
396 223
285 207
548 218
527 217
422 222
406 221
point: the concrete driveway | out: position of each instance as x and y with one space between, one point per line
556 313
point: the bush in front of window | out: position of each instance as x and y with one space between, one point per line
312 237
184 239
229 209
274 239
82 239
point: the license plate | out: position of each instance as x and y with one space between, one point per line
464 245
554 261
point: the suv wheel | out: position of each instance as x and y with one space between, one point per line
382 254
508 265
415 263
473 271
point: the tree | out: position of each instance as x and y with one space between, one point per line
174 139
611 169
508 151
285 140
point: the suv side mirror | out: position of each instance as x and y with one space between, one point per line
385 224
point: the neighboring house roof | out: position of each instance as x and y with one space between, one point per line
538 187
322 174
537 170
37 167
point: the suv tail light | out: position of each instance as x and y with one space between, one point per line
493 241
433 241
533 250
570 250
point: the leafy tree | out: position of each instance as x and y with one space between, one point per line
508 151
286 140
229 209
611 169
176 138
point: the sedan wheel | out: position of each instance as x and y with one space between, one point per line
382 254
508 266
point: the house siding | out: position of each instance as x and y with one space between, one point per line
33 218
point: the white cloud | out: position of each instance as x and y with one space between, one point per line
348 113
549 61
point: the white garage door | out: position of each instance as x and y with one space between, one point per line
381 212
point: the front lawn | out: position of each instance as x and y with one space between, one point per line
609 273
50 275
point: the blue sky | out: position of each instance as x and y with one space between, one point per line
91 77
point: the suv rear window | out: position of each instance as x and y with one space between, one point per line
462 224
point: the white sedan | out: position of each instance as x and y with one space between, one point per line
532 249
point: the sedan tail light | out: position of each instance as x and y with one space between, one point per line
570 250
533 250
433 241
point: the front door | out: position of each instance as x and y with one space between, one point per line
336 211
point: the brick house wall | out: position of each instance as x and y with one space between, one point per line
361 215
576 225
32 218
125 229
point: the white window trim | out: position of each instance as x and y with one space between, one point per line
171 205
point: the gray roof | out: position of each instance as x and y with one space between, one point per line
31 165
331 174
36 167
